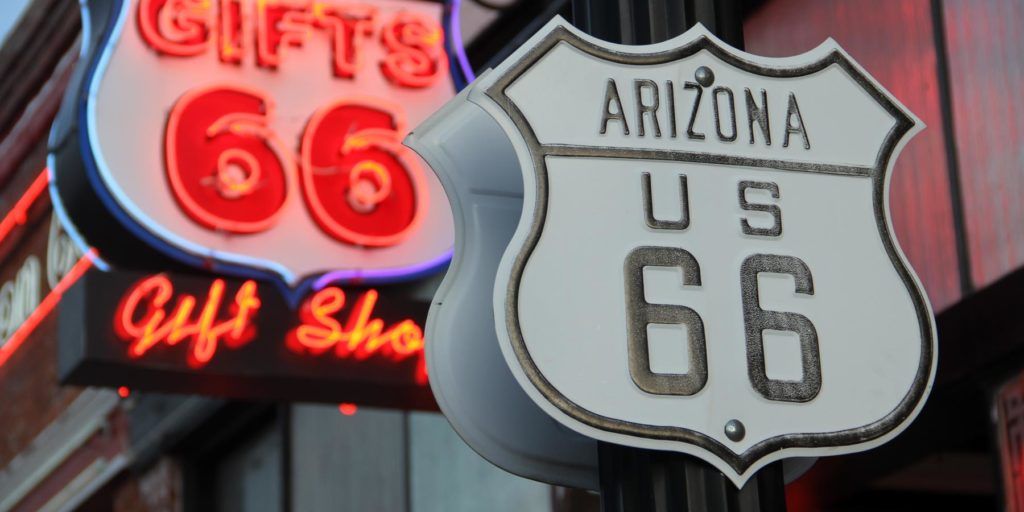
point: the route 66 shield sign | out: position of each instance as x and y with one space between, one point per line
705 261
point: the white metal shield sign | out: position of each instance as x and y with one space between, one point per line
705 261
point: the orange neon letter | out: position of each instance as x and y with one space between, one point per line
349 26
320 330
151 297
362 335
363 338
279 23
233 31
148 330
415 45
176 27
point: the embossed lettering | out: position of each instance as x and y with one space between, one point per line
774 210
611 94
759 115
647 108
693 113
793 114
732 113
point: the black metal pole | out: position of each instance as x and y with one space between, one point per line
635 480
653 21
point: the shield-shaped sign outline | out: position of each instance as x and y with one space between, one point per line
110 17
519 256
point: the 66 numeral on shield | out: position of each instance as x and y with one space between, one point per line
757 320
641 314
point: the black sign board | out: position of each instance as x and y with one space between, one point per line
241 339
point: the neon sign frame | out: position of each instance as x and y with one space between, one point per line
372 357
101 27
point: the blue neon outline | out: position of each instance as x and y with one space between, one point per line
55 201
462 70
355 276
169 244
65 220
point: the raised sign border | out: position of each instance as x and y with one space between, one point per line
79 191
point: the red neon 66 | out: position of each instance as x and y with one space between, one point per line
229 172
